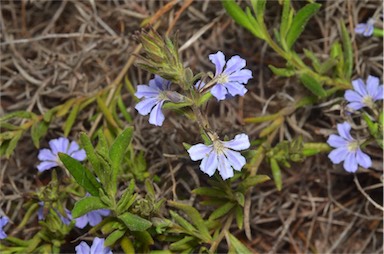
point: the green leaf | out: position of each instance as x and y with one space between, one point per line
91 155
210 192
256 31
106 112
347 52
276 173
12 143
117 152
143 237
239 215
282 72
299 22
315 61
134 222
235 246
114 237
71 119
86 205
259 9
195 217
19 114
286 19
253 181
182 244
221 211
313 85
82 175
38 130
182 222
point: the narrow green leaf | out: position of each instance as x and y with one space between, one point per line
143 237
91 155
299 22
123 110
313 85
71 119
276 173
273 126
114 237
210 192
38 130
86 205
282 72
64 108
134 222
239 215
315 61
181 244
235 245
347 52
327 65
82 175
12 143
182 222
237 13
19 114
259 9
256 29
221 211
286 19
108 115
253 181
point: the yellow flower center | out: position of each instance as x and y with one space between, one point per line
222 78
353 146
368 101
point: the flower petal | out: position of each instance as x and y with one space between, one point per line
94 218
350 163
73 147
46 155
344 129
209 164
98 246
368 30
240 142
337 141
338 155
235 88
359 87
157 117
218 60
241 76
236 160
372 85
3 221
360 28
353 96
225 169
83 248
219 91
160 83
146 91
59 145
145 106
45 165
79 155
234 64
104 212
379 94
199 151
199 84
356 105
363 159
82 221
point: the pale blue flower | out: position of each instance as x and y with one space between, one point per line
96 248
49 157
3 221
221 155
65 219
231 79
364 95
347 149
155 94
92 218
365 29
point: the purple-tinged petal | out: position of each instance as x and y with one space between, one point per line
235 159
240 142
157 117
379 94
350 163
3 221
46 155
199 84
363 159
234 64
73 147
82 248
360 28
209 164
45 165
82 221
160 83
79 155
146 91
356 105
145 106
225 169
199 151
98 247
103 212
344 130
3 235
338 155
40 211
235 88
218 60
336 141
94 218
372 85
241 76
219 91
368 30
358 85
353 96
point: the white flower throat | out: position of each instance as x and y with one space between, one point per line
222 78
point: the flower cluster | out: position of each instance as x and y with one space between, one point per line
49 157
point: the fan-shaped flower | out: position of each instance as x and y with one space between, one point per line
96 248
365 29
3 221
92 218
364 95
49 157
347 149
221 155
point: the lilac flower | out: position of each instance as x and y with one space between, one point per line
221 155
49 157
65 219
347 149
230 80
365 29
3 221
364 95
155 94
93 218
96 248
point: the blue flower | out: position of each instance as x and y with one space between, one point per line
364 95
96 248
49 157
65 219
230 80
221 155
365 29
347 149
155 94
3 221
93 218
